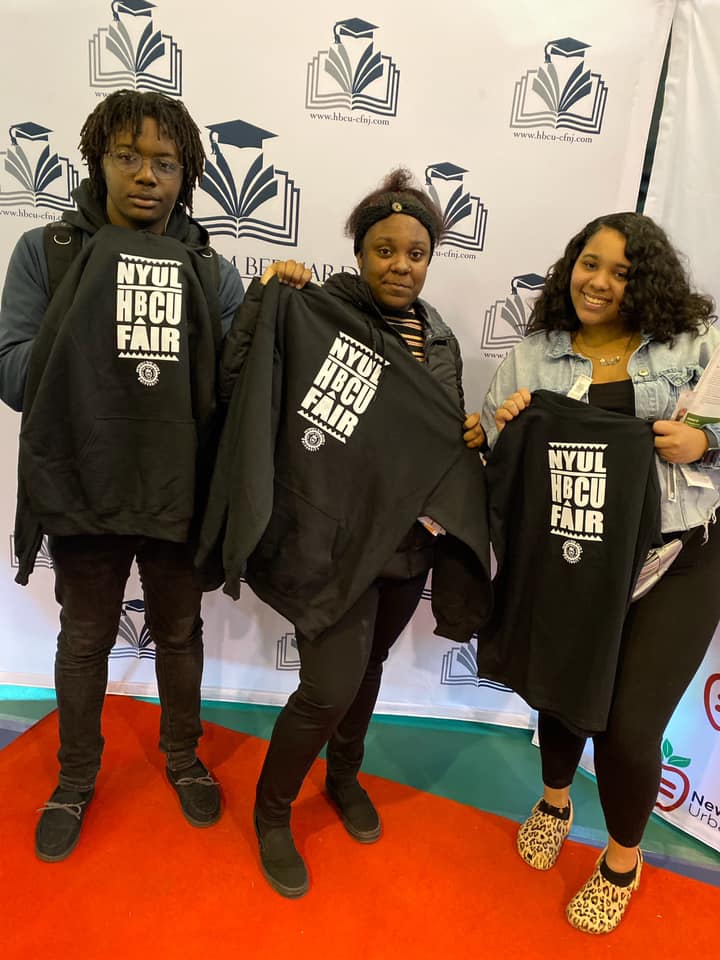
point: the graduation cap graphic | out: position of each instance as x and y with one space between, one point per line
257 184
506 321
566 47
563 92
136 8
354 76
237 133
28 131
241 183
444 171
36 166
131 53
354 27
445 185
514 314
527 281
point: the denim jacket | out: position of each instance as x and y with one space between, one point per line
659 373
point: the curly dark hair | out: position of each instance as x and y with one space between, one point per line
126 110
658 300
394 190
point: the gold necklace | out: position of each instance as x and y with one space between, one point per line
603 361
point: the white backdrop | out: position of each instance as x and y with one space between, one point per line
684 196
525 119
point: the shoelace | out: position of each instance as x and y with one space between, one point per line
207 781
74 809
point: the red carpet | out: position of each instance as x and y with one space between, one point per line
443 882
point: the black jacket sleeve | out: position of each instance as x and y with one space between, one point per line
241 493
236 345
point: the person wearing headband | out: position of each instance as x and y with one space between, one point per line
395 230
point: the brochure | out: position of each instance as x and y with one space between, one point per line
702 405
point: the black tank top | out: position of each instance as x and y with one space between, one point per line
618 396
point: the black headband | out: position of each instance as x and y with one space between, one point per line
391 203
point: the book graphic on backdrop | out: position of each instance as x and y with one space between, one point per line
459 668
43 558
286 654
34 175
506 321
255 199
464 214
563 92
351 74
133 638
132 53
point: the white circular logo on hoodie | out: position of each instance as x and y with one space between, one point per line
571 551
148 373
313 439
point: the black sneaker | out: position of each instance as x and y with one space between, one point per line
282 865
198 792
356 809
58 830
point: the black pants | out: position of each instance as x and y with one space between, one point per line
665 638
90 577
340 674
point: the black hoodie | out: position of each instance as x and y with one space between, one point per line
574 509
336 440
120 390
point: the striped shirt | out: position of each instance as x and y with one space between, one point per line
409 325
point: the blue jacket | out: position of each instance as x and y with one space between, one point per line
659 373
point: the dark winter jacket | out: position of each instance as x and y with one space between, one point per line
574 508
336 440
119 404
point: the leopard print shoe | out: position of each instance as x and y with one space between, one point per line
599 905
541 837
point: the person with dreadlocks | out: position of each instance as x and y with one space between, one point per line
113 367
367 596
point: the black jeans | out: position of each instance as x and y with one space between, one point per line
340 674
90 577
665 637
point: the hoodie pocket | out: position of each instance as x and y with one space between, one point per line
296 552
140 466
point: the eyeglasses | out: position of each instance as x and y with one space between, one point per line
130 161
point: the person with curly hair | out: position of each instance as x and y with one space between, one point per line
125 487
618 319
394 231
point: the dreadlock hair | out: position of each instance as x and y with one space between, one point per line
657 301
394 195
126 110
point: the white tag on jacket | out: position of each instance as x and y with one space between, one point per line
581 386
694 477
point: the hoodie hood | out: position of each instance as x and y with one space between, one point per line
355 291
91 215
351 289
